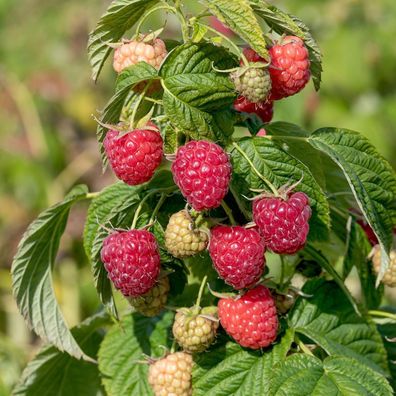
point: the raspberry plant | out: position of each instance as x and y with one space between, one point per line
264 204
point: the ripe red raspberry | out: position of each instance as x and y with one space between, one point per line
237 254
290 67
135 51
132 261
265 110
202 170
251 319
283 222
171 375
135 155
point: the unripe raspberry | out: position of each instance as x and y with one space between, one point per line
202 170
171 375
389 278
252 82
194 332
265 110
135 51
182 239
132 261
290 67
154 301
250 319
283 222
237 254
135 155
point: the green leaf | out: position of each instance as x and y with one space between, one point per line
119 17
121 359
32 280
279 167
370 177
239 16
329 320
113 208
232 370
303 374
53 372
283 23
358 249
318 256
128 78
194 92
388 331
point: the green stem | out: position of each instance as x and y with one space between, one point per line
92 195
159 102
303 347
158 207
264 179
383 314
139 209
228 211
183 22
137 104
282 275
201 290
147 14
173 347
233 45
240 204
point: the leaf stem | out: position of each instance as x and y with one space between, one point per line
228 211
92 195
282 274
158 207
201 290
264 179
383 314
241 206
137 104
148 13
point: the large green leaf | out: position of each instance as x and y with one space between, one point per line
370 177
329 320
283 23
128 78
388 331
119 17
265 157
239 16
121 355
196 97
53 372
32 280
232 370
304 375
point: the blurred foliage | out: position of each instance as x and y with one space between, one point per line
48 135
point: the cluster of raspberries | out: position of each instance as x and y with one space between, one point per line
202 171
262 82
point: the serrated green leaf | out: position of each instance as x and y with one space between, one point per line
279 167
232 370
52 372
32 280
121 355
358 249
239 16
119 17
283 23
388 331
194 92
329 320
303 374
128 78
370 177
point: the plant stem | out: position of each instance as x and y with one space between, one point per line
148 13
383 314
201 290
92 195
264 179
241 207
233 45
228 211
137 104
282 275
303 347
158 207
139 209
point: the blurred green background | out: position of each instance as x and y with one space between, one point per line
48 134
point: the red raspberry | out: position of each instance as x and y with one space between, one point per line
283 222
290 67
132 261
135 155
252 56
251 319
202 170
133 52
265 110
237 254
